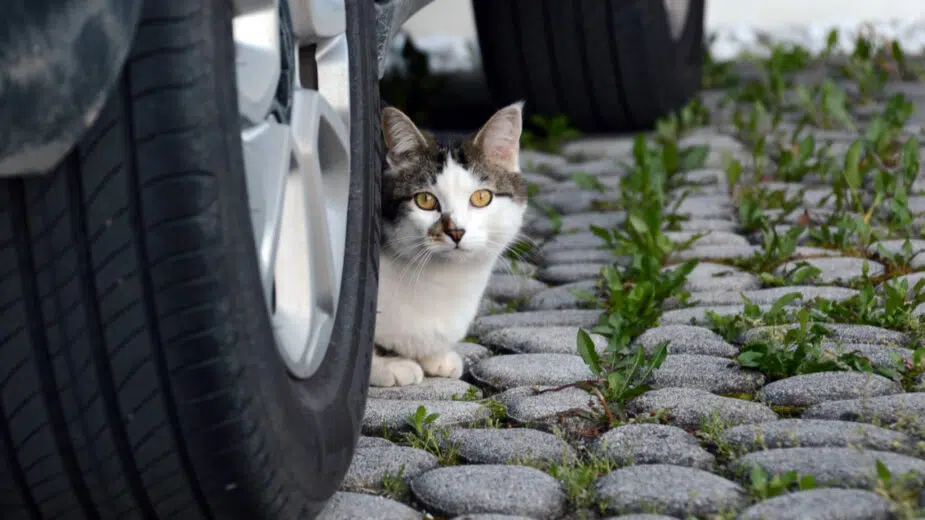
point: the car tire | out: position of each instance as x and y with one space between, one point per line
608 65
138 374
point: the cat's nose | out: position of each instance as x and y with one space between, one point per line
456 234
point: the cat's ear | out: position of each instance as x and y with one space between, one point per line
499 139
402 137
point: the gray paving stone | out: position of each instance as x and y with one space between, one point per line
539 180
577 222
373 442
392 414
604 146
808 433
580 240
471 354
686 339
884 410
688 408
707 276
646 443
810 389
642 516
896 246
487 306
835 270
534 159
822 504
577 201
831 467
572 317
599 167
510 446
844 332
715 252
706 206
506 287
370 465
490 488
431 388
714 374
712 138
771 295
698 315
711 238
669 489
701 225
508 266
562 296
568 409
508 371
580 256
703 176
360 506
540 340
879 355
568 273
490 516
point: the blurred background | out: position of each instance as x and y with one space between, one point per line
436 75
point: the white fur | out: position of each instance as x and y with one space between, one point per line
429 289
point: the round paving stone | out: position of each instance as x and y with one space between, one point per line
491 517
810 389
579 256
771 295
392 414
653 444
686 339
832 467
573 317
540 340
717 277
373 442
569 409
471 353
822 504
689 408
909 407
562 296
507 287
806 433
508 371
641 516
360 506
843 332
506 265
370 465
489 488
568 273
836 270
669 489
581 240
577 222
436 388
713 374
510 446
714 252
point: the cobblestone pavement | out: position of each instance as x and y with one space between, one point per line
842 432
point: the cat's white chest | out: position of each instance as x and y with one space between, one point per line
426 311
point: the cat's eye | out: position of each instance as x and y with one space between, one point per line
425 201
480 198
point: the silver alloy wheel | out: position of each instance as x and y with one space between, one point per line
298 168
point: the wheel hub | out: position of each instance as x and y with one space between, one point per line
294 100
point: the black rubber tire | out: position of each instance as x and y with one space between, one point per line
138 377
609 65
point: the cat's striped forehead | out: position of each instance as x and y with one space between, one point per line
419 171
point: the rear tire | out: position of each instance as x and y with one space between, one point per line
138 374
609 65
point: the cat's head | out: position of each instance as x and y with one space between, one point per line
459 202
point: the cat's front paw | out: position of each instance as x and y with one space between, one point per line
395 371
444 364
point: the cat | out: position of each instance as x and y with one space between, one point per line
448 213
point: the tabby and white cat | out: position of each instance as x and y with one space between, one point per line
448 214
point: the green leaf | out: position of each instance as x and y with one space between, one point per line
852 173
883 472
588 353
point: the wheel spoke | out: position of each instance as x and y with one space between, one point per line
257 60
310 260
